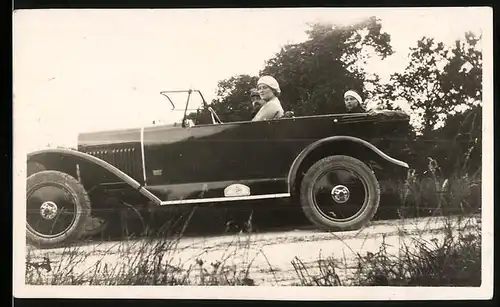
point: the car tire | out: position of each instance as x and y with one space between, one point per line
48 193
351 184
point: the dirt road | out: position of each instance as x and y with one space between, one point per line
270 254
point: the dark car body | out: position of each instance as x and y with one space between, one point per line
195 164
167 165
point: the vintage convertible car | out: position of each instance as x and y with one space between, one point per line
330 165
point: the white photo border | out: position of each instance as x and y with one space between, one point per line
263 292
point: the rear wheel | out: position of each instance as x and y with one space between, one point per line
57 209
340 193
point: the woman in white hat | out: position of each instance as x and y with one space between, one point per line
269 90
353 102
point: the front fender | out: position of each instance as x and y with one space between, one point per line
292 175
57 153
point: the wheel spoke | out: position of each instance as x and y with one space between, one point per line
322 185
61 222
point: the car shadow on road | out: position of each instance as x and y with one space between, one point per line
262 216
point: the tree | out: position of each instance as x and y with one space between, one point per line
314 75
419 84
232 103
437 82
462 77
233 98
443 88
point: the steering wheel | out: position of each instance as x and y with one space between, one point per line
215 117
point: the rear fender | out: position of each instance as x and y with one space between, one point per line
68 161
361 147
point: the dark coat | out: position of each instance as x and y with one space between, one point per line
356 109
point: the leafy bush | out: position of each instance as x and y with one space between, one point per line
432 194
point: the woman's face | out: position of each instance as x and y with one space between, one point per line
265 92
350 102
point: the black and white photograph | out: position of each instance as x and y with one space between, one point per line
264 153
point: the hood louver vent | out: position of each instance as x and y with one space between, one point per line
125 159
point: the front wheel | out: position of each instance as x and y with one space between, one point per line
340 193
57 209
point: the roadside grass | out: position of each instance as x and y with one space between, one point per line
433 194
150 260
418 260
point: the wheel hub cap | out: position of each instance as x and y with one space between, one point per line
48 210
340 194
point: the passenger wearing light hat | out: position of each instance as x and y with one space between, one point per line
353 102
269 90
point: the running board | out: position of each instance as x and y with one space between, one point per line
222 199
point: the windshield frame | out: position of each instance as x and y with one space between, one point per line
186 108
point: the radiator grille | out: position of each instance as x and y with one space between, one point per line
125 159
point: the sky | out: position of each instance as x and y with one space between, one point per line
86 70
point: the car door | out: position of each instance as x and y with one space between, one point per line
202 162
244 155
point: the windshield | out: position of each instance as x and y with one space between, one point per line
177 104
